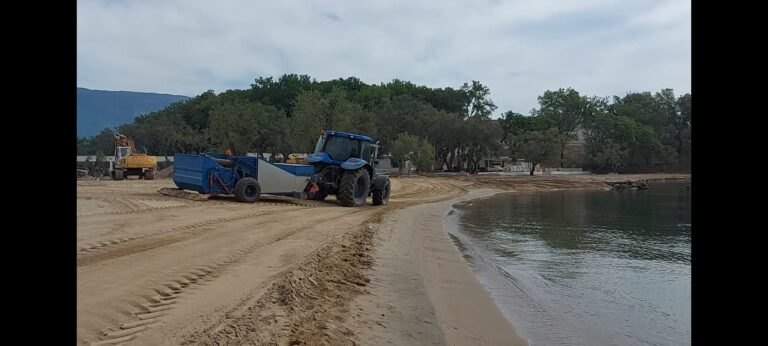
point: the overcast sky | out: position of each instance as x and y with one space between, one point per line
518 49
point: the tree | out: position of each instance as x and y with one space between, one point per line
404 149
195 111
307 121
236 126
404 113
447 99
514 124
565 109
681 123
446 132
315 112
537 147
345 115
424 157
281 93
616 143
476 101
371 96
643 108
481 141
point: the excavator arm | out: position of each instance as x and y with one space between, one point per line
122 140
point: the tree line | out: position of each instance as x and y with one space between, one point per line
432 127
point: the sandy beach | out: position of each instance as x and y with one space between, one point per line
153 269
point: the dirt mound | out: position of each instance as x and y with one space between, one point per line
164 173
308 304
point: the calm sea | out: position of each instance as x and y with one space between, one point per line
585 267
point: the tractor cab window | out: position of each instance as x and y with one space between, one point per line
366 151
341 148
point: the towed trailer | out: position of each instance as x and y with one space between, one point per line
245 177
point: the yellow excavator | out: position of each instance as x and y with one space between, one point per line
292 158
129 161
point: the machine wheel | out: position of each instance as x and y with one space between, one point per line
381 197
118 174
149 174
354 187
247 190
320 196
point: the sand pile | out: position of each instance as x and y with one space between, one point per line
164 173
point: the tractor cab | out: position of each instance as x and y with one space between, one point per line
335 147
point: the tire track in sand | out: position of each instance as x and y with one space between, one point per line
155 307
119 247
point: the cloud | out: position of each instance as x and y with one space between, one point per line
518 49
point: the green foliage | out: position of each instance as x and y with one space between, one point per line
404 149
481 139
103 143
403 113
237 125
432 127
307 121
537 146
616 143
514 124
643 108
281 93
412 148
565 108
196 111
424 157
315 112
476 100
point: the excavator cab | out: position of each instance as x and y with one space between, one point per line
121 152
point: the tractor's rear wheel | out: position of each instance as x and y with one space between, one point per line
381 197
354 187
247 190
149 174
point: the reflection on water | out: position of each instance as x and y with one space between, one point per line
585 267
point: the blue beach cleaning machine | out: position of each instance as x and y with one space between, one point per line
245 177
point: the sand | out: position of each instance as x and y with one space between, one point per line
153 269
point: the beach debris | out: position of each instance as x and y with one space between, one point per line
622 185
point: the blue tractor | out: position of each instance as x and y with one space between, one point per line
344 166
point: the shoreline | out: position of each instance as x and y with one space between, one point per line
285 272
440 300
529 306
422 290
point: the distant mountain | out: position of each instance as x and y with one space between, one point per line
97 109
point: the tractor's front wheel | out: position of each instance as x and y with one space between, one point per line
381 196
353 189
247 190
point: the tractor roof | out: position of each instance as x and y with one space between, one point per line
350 135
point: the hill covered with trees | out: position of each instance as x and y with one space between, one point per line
436 127
99 109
